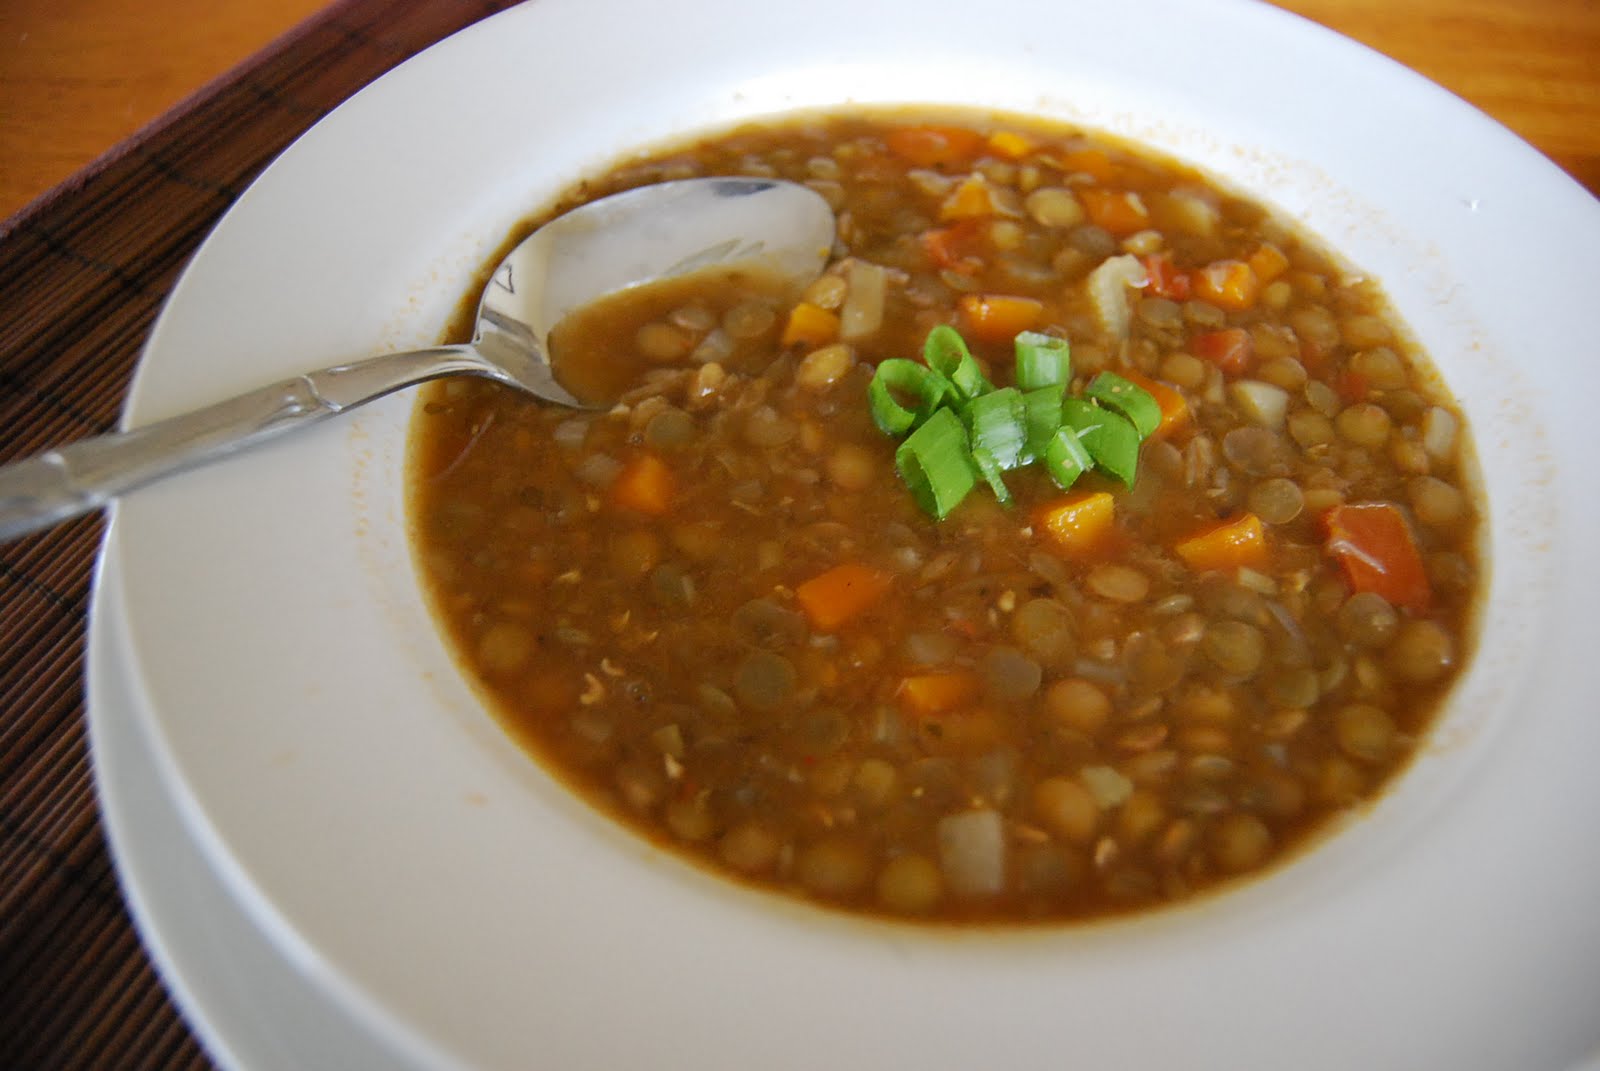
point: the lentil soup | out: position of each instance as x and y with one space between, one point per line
718 610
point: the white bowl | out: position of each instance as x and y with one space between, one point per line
451 898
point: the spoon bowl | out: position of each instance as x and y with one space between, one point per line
632 238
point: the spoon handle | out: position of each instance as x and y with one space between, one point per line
59 484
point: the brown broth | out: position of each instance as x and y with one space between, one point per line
610 347
632 590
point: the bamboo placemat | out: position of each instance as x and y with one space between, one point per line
83 273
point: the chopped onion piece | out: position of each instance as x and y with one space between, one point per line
1439 433
972 852
862 312
1108 291
1265 404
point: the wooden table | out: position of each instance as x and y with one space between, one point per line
77 77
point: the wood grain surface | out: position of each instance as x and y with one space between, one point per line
78 76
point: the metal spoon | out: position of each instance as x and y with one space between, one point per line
650 233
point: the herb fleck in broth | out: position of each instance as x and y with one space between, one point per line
718 611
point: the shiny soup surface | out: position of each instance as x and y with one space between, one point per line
718 610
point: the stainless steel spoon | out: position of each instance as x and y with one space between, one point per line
650 233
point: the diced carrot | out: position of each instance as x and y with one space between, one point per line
834 597
1268 263
1351 385
1122 212
974 198
1239 543
1080 524
1010 144
955 248
998 317
1229 349
810 325
1227 284
934 146
935 693
1096 163
1174 407
645 484
1164 279
1374 545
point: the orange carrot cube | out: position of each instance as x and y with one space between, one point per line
1268 263
973 199
955 247
927 694
1235 544
1122 212
1228 284
1163 279
998 317
1373 543
934 146
830 599
1010 144
1080 524
645 485
1096 163
1230 349
810 325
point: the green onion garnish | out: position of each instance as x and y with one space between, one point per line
1041 417
898 376
989 469
1131 400
945 351
936 463
1042 361
1109 438
963 428
1065 457
996 422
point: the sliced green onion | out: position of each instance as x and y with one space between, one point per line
962 428
990 470
945 351
1042 360
1066 458
936 463
997 423
1041 417
1109 438
900 376
1129 399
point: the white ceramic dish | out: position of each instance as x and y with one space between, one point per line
452 900
251 1007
